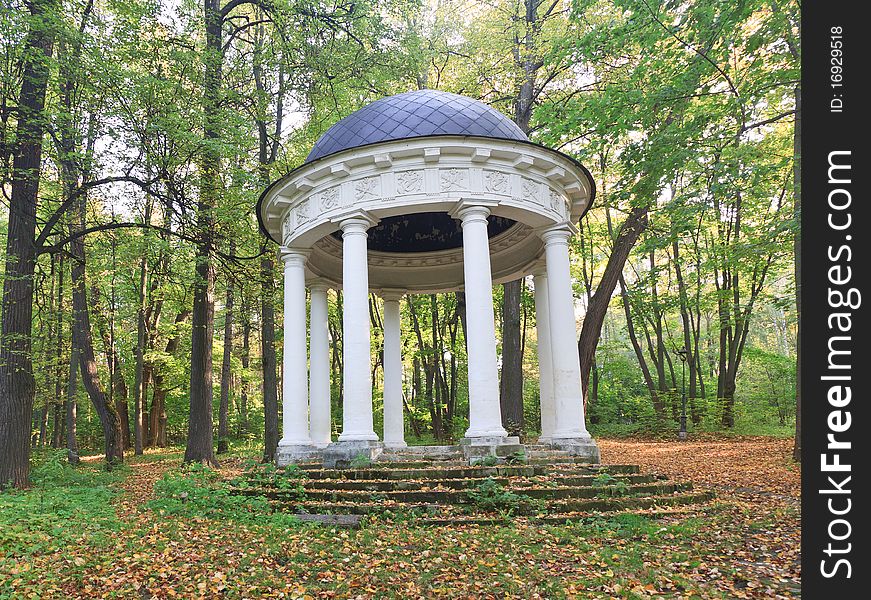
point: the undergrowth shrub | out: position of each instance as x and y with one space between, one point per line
491 496
609 485
64 505
199 491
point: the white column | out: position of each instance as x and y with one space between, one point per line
485 419
545 369
357 423
568 399
394 433
319 366
294 388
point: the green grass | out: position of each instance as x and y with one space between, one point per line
195 491
65 506
669 430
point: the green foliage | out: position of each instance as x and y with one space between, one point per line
516 458
488 461
610 485
289 480
198 491
660 110
67 505
490 495
361 461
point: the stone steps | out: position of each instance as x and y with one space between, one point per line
411 485
549 487
453 496
577 507
655 512
417 471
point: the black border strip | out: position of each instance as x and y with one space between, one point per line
825 131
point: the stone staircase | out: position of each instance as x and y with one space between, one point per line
433 485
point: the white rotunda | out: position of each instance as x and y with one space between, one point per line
424 192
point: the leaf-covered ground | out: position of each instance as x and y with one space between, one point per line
95 535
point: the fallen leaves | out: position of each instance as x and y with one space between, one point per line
745 545
737 463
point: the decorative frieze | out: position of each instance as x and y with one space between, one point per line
453 180
497 182
301 213
530 190
367 188
409 182
510 238
286 228
329 199
557 202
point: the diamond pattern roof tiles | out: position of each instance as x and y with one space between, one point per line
415 114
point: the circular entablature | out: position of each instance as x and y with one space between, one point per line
424 232
513 254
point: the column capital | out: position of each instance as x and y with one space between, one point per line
472 210
391 294
318 285
294 255
556 234
357 221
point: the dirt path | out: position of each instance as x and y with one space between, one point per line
760 464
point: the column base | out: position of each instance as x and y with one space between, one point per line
583 447
288 454
476 449
358 437
397 444
345 454
498 432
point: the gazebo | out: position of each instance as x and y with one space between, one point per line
424 192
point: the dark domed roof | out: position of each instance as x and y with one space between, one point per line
415 114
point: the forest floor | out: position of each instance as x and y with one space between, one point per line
91 534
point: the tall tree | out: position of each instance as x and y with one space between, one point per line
226 373
268 143
200 437
16 365
139 385
83 341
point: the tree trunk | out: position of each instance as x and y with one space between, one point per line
116 373
461 313
158 400
246 362
430 366
139 378
226 374
43 425
57 432
687 324
631 228
639 353
16 367
267 352
200 436
267 153
72 446
511 383
83 341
